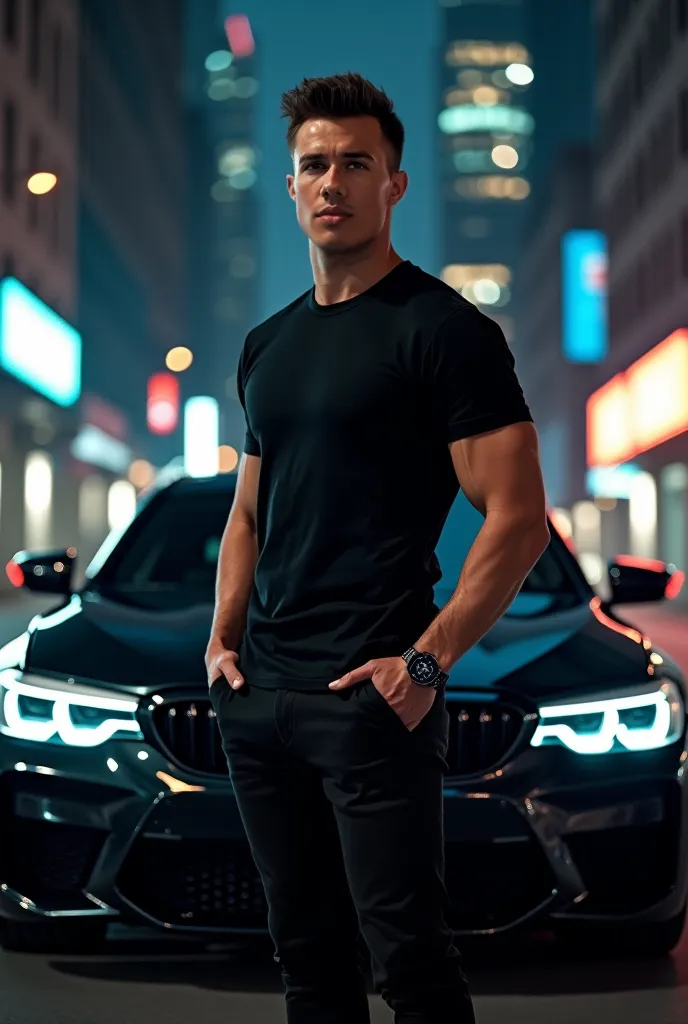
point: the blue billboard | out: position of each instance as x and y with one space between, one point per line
37 346
584 296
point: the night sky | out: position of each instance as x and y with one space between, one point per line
396 46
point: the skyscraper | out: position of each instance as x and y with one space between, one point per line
221 91
485 146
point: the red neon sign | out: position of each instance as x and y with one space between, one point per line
641 407
163 403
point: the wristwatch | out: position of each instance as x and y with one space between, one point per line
424 668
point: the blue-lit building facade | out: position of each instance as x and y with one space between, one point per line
485 150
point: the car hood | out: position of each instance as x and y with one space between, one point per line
537 648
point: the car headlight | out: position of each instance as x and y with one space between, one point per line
643 718
55 711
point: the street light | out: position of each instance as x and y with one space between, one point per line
41 182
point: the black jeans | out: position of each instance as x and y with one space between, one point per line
342 806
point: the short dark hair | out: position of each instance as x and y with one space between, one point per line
347 95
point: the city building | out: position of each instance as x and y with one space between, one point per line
485 148
221 88
40 349
637 412
132 224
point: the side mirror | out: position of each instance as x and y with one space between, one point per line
48 572
636 580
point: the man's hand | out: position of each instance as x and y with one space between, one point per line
390 678
221 662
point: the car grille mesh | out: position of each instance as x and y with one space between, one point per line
481 734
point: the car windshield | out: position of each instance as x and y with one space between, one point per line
169 554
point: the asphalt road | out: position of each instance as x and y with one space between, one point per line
138 980
142 976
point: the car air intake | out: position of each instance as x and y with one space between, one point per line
481 734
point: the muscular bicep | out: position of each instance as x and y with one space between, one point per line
245 503
500 470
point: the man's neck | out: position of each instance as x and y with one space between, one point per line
342 277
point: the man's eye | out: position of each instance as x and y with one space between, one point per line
357 163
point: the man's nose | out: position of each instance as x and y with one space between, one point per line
332 186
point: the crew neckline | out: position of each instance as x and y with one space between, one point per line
333 308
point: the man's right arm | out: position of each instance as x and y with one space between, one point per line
235 573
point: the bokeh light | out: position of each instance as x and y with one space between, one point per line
218 60
519 74
505 156
179 359
41 182
141 473
228 458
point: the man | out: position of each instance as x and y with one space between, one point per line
369 400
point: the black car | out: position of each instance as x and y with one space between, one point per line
565 797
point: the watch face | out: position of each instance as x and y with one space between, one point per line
424 668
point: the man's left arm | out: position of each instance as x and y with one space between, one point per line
499 472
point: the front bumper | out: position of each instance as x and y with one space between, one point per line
121 831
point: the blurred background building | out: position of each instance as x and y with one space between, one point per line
637 416
548 158
486 147
221 87
39 382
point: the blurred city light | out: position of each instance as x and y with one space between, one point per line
41 183
485 96
201 431
93 446
179 359
163 403
610 481
487 54
221 89
500 118
141 474
642 515
38 497
37 346
228 458
239 35
493 186
219 60
121 504
641 407
486 292
519 74
505 157
584 296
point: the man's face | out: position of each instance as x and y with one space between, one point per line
344 163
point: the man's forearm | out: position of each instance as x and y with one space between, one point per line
235 574
501 557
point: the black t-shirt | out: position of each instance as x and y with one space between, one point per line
352 408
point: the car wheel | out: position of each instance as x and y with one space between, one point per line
52 935
654 939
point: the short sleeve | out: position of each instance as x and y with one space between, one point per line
251 445
471 377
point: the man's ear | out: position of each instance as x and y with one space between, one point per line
398 188
290 186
